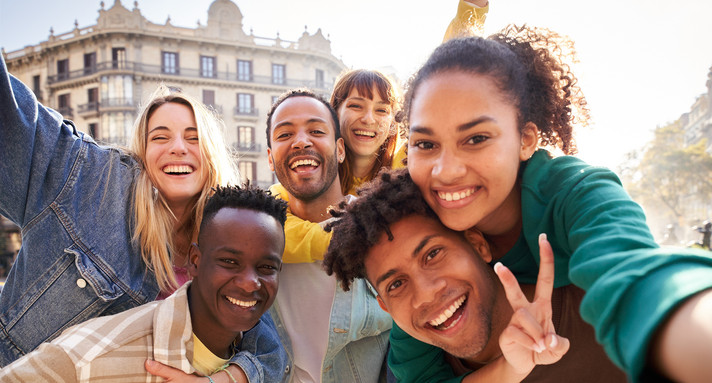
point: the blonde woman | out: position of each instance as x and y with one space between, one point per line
103 228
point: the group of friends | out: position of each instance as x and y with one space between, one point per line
437 239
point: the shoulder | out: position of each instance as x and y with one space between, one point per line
546 174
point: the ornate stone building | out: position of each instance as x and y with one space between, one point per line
98 75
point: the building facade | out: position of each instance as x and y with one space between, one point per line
97 76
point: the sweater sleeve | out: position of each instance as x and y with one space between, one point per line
631 284
305 241
469 21
413 361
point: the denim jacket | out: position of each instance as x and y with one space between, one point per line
358 341
73 202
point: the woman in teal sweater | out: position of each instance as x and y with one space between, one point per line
480 112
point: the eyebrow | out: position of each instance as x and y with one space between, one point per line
460 128
417 250
290 123
359 98
166 128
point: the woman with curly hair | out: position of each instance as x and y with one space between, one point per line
480 114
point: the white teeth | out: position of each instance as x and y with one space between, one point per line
455 196
364 133
183 169
304 163
445 315
241 303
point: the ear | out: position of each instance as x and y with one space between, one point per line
193 259
479 244
530 140
340 150
380 303
270 160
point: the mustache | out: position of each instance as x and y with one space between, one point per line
302 153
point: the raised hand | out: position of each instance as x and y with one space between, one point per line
530 337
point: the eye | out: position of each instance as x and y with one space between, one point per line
158 138
423 145
431 254
228 261
269 269
476 139
394 285
353 106
193 139
318 132
384 111
282 136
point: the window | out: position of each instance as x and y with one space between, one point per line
274 99
118 58
94 130
62 69
207 66
278 74
248 170
63 105
89 63
92 100
36 86
246 138
208 97
244 70
169 62
244 104
319 79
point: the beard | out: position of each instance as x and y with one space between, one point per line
308 189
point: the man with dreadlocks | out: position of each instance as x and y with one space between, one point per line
438 287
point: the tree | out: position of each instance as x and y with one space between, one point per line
668 178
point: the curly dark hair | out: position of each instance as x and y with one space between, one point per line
245 197
301 92
529 65
388 198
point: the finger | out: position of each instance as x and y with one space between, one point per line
514 293
160 369
524 319
514 335
557 344
545 280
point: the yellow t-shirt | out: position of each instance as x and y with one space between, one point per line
204 361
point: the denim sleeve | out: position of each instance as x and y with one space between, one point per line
262 355
36 151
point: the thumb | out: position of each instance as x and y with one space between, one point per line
160 369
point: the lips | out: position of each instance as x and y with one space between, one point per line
304 162
450 316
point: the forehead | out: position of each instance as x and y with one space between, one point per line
172 112
233 226
301 110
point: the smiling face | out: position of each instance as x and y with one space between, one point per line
173 159
465 149
365 123
305 154
235 273
435 286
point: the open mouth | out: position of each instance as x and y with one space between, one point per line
304 165
456 196
451 316
364 133
243 304
177 169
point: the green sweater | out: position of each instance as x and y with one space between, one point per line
603 245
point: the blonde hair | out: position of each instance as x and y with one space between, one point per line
154 229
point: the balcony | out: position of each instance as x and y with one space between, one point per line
247 147
134 67
245 112
91 108
66 112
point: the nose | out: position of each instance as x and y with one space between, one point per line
248 280
302 140
368 117
448 167
179 146
425 289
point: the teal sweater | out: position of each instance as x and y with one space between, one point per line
603 245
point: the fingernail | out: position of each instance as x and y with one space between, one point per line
554 341
150 362
497 265
541 344
542 237
537 348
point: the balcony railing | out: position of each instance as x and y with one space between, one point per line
247 147
117 103
89 107
66 111
242 111
134 67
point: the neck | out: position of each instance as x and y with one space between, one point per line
316 210
361 165
181 234
503 227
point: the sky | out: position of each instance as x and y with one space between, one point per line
642 62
